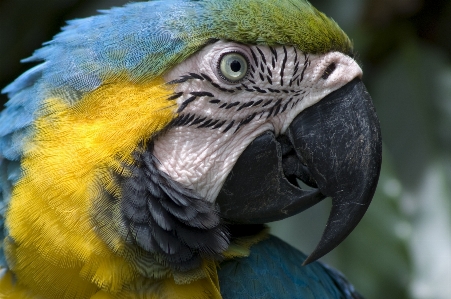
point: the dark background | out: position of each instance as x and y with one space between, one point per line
402 248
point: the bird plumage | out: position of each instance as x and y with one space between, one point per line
92 209
248 278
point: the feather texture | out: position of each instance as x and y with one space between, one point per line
275 261
191 229
72 126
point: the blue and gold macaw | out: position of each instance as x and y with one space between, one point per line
143 155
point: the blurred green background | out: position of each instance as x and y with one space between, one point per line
402 247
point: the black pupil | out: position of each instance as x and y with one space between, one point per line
235 66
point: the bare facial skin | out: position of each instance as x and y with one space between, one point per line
219 118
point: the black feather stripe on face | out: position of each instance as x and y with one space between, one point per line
272 72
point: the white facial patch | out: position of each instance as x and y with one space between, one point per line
218 117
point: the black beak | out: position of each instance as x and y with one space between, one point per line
333 146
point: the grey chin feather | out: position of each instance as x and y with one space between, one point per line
161 216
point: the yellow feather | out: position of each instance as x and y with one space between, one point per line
56 251
9 290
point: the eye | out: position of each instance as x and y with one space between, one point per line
233 66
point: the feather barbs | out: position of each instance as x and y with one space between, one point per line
71 152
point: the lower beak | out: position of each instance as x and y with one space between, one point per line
334 146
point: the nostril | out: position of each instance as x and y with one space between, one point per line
329 70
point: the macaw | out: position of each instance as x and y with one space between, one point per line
143 154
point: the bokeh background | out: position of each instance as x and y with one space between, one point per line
402 247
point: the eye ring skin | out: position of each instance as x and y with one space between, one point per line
224 65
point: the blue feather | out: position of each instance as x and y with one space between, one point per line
138 42
273 270
10 172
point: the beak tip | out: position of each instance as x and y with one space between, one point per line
351 176
308 260
344 166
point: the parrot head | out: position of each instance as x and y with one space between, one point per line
150 134
254 119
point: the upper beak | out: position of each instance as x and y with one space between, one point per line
334 146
